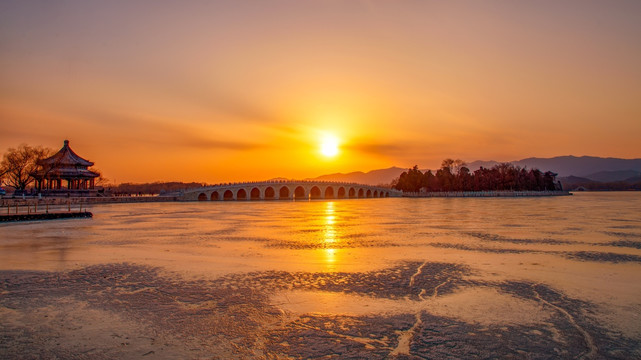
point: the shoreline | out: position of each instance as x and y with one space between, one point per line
501 193
74 201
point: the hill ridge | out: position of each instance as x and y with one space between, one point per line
590 167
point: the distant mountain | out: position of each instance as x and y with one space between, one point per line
374 177
589 168
636 179
475 165
571 182
582 166
580 183
609 176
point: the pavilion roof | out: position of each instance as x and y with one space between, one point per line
70 173
65 157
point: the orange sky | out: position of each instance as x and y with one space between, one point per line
243 90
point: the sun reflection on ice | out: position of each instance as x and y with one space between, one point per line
329 229
330 239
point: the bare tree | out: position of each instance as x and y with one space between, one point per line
19 163
100 180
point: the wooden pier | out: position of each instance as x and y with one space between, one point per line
42 209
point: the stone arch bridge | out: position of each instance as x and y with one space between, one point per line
286 190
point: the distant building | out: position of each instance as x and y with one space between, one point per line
66 166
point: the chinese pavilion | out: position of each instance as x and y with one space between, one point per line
68 166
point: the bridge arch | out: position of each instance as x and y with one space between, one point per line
254 194
202 197
329 192
283 193
368 193
315 192
215 196
299 193
352 193
341 193
361 193
241 194
375 193
270 194
228 195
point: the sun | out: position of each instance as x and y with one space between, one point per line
329 145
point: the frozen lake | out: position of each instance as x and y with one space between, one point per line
377 278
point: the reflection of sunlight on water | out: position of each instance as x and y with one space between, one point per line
329 238
330 255
330 229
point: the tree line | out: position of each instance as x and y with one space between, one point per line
454 175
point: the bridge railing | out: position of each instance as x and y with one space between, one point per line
294 182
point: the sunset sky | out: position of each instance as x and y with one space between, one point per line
215 91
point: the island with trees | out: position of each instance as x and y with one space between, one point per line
455 176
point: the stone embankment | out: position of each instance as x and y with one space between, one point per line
82 200
486 193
